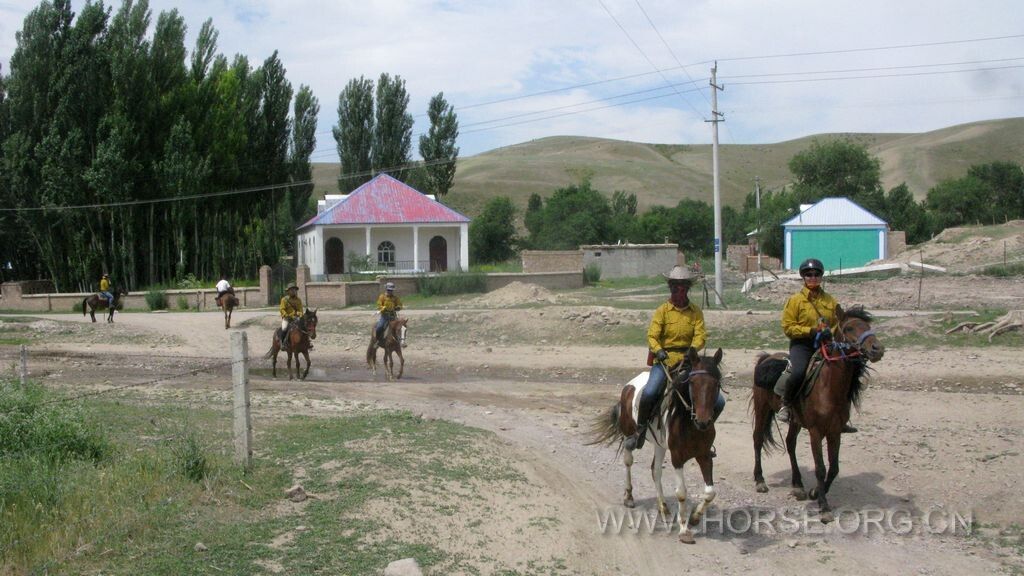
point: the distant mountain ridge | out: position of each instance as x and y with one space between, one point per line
666 173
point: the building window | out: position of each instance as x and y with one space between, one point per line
386 254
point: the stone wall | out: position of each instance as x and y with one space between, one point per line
541 261
202 299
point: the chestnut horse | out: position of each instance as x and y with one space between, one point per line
823 410
394 341
688 426
228 302
96 302
300 339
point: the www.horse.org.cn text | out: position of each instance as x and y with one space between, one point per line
770 521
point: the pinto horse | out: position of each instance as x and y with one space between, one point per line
96 302
686 430
823 410
394 341
300 339
228 302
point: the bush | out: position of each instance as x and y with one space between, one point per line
182 302
156 300
190 460
33 425
1001 271
451 283
76 307
592 273
189 282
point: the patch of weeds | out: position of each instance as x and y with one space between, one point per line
592 273
545 523
190 460
1001 271
182 302
156 300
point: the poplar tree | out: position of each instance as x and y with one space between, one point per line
437 146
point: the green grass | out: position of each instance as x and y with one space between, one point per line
1001 271
451 283
514 265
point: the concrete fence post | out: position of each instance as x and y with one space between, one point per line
24 365
240 385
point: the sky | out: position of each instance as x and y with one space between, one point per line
518 70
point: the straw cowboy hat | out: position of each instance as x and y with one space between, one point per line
291 287
680 274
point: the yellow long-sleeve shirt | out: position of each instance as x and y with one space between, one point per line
675 330
104 285
803 311
291 307
388 305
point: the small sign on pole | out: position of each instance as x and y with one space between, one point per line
240 386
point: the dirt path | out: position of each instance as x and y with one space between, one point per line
941 431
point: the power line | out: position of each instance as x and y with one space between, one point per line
870 76
872 49
905 67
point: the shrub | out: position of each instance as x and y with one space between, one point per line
156 300
451 283
76 307
190 459
182 302
1003 271
34 425
592 273
189 282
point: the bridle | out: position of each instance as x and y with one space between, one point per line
843 349
689 390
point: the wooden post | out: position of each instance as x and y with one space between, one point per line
240 384
24 365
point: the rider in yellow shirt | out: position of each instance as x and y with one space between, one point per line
291 310
105 289
388 305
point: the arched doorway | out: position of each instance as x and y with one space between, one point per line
438 254
334 256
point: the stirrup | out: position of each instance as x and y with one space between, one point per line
785 414
714 453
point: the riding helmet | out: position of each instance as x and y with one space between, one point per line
390 286
812 264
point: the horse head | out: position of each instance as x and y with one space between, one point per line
309 319
400 327
855 329
701 386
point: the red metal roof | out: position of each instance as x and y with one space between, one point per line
385 200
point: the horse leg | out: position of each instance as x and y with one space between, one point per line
797 491
389 364
290 364
818 492
707 471
834 441
656 469
627 460
685 534
401 363
760 416
306 372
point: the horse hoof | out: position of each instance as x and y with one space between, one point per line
813 494
687 538
799 493
762 487
694 519
826 517
628 502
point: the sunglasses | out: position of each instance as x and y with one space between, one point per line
812 274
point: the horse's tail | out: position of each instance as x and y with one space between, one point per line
604 428
371 354
270 353
85 302
763 420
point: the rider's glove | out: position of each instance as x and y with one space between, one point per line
660 355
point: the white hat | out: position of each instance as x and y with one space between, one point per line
680 273
389 286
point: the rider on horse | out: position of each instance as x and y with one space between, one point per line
223 287
808 320
388 304
677 325
291 311
105 290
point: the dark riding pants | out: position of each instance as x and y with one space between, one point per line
800 352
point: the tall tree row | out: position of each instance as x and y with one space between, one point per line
99 109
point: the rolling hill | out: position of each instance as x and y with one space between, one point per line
664 174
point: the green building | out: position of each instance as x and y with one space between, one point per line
836 231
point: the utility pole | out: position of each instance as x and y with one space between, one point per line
716 117
757 197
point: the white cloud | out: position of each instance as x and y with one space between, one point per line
481 51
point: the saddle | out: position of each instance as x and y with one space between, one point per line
774 373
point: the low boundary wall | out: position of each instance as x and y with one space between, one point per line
198 299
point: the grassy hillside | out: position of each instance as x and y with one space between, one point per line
664 174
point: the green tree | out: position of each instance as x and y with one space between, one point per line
354 133
307 107
960 201
392 129
492 233
437 146
902 212
838 168
1006 179
573 216
533 220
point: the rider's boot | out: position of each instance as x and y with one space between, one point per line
380 338
848 429
714 418
636 441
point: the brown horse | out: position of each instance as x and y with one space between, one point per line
300 339
823 410
228 302
394 341
96 302
688 426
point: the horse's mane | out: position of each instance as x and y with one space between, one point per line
859 367
859 312
708 364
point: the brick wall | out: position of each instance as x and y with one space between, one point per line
540 261
632 260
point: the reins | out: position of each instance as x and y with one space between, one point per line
846 350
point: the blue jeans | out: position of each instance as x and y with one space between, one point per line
108 297
656 387
382 323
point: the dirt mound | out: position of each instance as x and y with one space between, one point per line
909 291
969 248
514 294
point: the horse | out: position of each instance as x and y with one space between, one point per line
96 302
394 341
228 302
299 342
824 410
688 426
